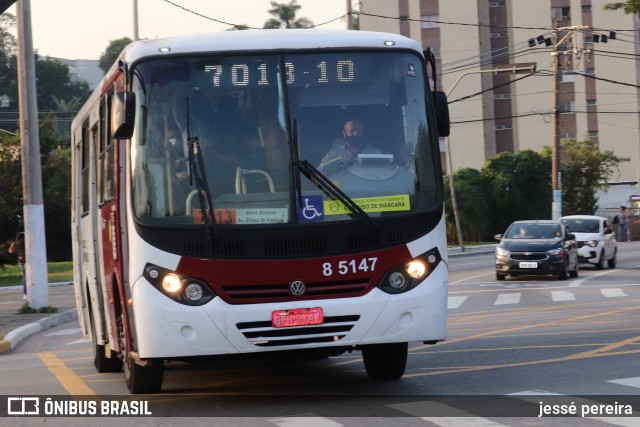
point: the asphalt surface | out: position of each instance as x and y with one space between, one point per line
16 326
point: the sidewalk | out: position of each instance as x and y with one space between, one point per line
15 327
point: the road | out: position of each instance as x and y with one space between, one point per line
512 344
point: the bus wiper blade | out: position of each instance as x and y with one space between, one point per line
323 183
199 178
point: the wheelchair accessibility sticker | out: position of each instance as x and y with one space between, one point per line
312 209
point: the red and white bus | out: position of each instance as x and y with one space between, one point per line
204 223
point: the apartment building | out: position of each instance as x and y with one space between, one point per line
597 77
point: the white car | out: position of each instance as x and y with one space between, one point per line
596 239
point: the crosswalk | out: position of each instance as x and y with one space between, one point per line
460 411
513 297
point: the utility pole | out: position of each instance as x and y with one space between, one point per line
556 175
34 232
556 201
136 36
349 16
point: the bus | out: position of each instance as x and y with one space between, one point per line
204 223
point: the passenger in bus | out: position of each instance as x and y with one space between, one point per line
346 148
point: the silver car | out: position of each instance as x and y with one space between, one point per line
596 239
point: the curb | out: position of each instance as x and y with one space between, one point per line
15 337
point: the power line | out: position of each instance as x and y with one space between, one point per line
605 80
242 25
407 19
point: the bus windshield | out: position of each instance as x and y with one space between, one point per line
358 118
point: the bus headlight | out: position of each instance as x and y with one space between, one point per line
171 283
405 277
180 288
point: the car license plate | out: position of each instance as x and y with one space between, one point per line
528 265
297 317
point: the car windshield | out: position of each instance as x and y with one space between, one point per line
534 231
582 225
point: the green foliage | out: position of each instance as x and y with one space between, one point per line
472 203
56 185
284 16
585 171
57 272
56 179
112 52
27 309
629 6
518 186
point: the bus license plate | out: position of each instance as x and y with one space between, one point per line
528 265
297 317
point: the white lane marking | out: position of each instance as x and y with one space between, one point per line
64 332
562 296
512 298
613 292
304 422
455 302
80 341
454 417
630 382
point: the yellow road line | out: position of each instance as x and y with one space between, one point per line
69 380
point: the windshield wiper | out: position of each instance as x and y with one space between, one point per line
198 175
329 188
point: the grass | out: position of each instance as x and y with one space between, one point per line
11 275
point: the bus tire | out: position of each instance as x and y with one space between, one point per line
100 360
385 361
140 379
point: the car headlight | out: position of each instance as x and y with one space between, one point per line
556 251
502 251
180 288
407 276
591 243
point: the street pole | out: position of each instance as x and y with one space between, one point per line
503 69
556 174
136 36
349 16
34 231
556 202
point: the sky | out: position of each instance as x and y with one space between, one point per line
82 29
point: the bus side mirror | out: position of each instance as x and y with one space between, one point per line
442 113
122 115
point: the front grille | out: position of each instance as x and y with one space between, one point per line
263 334
262 293
528 256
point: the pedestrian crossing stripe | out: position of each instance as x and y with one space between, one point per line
455 301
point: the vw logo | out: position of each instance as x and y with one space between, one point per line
297 288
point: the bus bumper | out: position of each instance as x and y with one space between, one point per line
173 330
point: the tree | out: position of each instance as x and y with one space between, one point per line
109 56
473 206
285 16
629 6
238 27
519 187
585 171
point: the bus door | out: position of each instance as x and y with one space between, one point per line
109 222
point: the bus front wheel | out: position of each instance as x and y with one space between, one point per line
385 361
139 379
100 359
